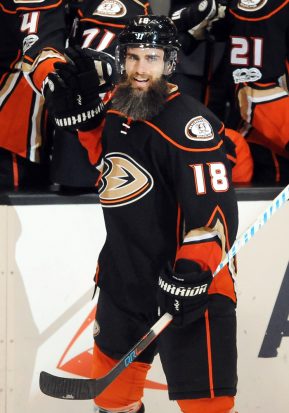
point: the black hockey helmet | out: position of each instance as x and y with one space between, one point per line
149 31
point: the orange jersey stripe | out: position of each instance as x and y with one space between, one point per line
222 128
87 19
23 8
15 171
277 167
209 352
91 141
178 227
171 97
53 6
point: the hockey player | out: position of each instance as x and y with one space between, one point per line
247 73
258 37
200 55
171 214
25 26
258 56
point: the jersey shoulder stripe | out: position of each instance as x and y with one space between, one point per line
14 6
178 145
194 127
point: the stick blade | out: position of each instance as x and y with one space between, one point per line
67 388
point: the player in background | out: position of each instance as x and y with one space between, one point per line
245 81
258 65
171 215
26 28
200 54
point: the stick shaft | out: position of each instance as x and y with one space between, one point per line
261 220
84 389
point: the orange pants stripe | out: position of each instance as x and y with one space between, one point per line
127 389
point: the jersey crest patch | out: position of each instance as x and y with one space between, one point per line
251 5
199 129
123 181
111 8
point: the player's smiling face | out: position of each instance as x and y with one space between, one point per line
143 66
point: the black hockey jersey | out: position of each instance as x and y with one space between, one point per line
27 26
258 39
166 193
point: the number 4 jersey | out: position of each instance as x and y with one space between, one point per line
28 26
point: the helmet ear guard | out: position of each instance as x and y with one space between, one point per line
152 32
170 58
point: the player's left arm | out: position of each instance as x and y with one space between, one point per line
43 31
208 219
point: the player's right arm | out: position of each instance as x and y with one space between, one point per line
74 92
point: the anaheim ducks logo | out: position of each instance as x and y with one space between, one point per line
124 181
199 129
29 41
111 8
251 5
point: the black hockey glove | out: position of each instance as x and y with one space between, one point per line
197 18
72 92
192 16
184 292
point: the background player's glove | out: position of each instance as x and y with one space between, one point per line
72 92
184 292
191 16
198 16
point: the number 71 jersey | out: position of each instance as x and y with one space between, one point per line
100 22
258 39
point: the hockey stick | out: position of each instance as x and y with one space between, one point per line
84 389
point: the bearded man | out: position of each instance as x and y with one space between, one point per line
170 212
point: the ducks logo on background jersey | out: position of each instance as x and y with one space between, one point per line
199 129
251 5
29 41
123 181
111 8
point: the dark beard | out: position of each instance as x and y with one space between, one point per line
138 104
